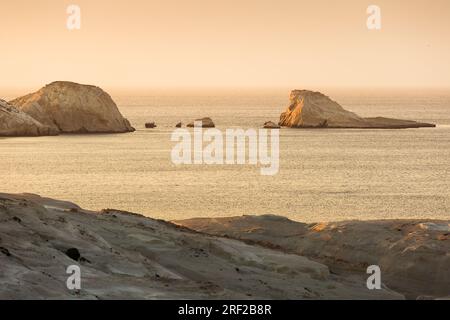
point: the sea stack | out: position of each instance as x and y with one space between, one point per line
309 109
69 107
205 123
15 123
150 125
270 125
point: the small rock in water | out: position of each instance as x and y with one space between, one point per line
150 125
178 125
206 123
271 125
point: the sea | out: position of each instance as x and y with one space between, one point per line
324 174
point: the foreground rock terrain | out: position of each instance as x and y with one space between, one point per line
414 255
15 123
69 107
309 109
129 256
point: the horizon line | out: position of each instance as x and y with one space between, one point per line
312 87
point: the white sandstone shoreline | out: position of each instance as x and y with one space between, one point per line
129 256
413 254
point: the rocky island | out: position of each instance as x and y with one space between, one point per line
68 107
14 122
309 109
412 254
126 255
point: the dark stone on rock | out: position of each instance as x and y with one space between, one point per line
73 254
68 107
5 251
178 125
150 125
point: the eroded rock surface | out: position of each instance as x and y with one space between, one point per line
205 123
15 123
271 125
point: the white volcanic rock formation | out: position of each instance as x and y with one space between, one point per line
74 108
128 256
414 255
309 109
15 123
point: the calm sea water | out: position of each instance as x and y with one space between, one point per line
324 174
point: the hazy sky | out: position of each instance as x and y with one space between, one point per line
195 43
